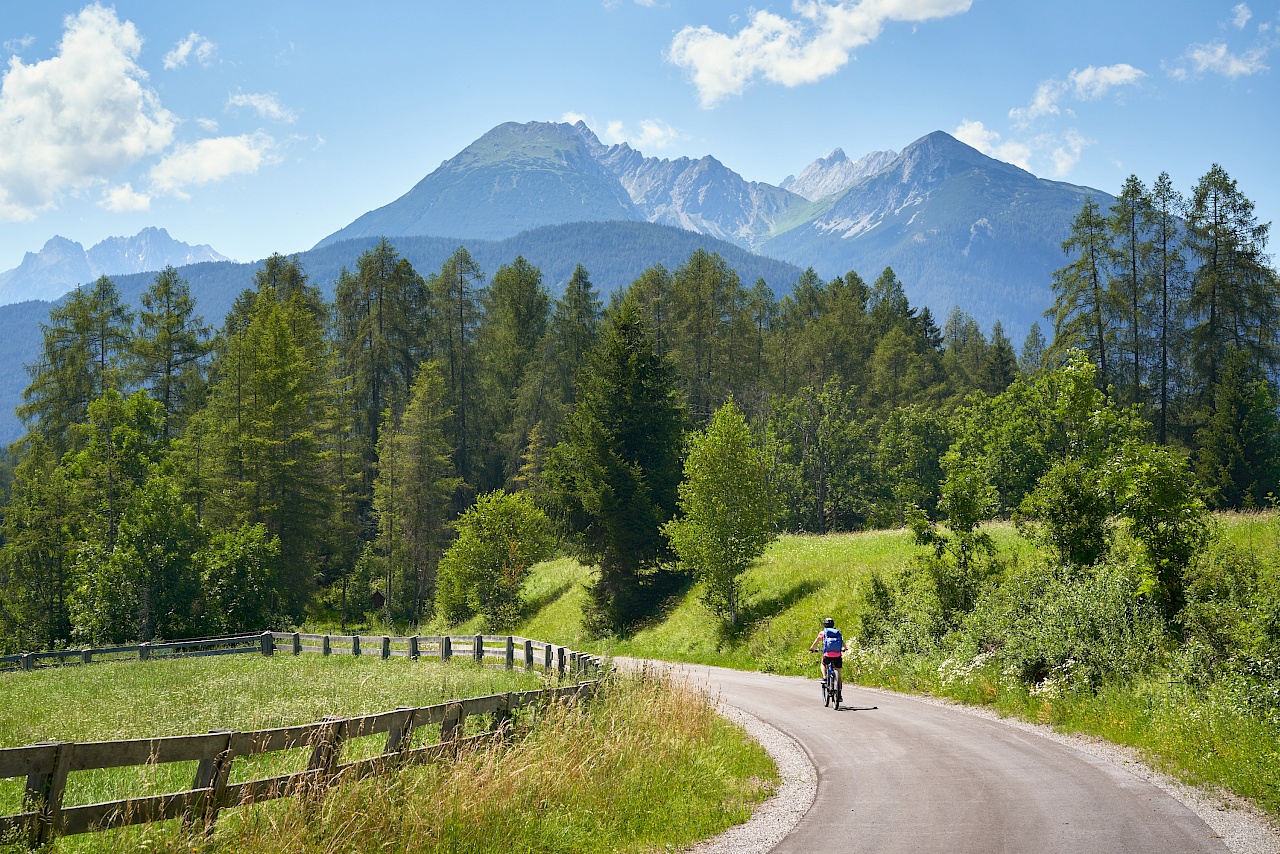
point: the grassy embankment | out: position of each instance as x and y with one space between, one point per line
645 767
1200 734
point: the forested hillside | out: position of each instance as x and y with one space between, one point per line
408 434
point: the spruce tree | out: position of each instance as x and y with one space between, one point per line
170 347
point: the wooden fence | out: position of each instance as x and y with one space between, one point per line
503 650
46 766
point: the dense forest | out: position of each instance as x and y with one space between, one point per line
178 479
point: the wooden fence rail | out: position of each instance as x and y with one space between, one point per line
504 650
46 766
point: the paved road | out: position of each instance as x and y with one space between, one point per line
896 774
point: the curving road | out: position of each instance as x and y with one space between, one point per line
897 774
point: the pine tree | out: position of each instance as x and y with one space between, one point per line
1169 271
84 353
516 315
615 474
1081 319
413 496
1235 298
1131 283
170 347
457 300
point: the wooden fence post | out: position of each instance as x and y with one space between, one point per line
546 658
454 716
560 661
212 774
400 735
477 649
297 643
86 656
386 647
27 662
43 796
446 648
144 651
326 749
510 661
326 645
267 644
355 644
528 654
413 648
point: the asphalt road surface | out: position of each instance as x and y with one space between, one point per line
897 774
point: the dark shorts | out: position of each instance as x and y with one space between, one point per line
837 660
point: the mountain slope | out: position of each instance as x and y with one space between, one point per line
513 178
958 227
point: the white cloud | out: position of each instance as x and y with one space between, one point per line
1067 153
979 136
17 45
792 51
124 199
70 122
1218 59
572 118
1081 84
1240 16
265 105
653 134
193 45
208 125
211 160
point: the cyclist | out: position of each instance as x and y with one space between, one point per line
833 649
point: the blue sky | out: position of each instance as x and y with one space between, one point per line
259 127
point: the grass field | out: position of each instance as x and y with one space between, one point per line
645 766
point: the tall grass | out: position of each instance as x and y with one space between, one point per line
645 766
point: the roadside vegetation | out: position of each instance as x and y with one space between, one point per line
645 765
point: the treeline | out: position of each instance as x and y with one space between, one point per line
178 480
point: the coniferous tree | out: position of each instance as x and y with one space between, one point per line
84 353
457 301
1031 359
516 314
614 475
170 347
1235 297
1081 319
37 559
413 496
1131 283
1169 271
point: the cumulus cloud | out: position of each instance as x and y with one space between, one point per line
124 199
211 160
265 105
1217 58
194 45
979 136
1240 16
653 134
1086 84
814 44
70 122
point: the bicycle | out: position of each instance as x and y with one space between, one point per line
830 686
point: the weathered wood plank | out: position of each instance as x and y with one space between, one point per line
89 755
91 817
22 761
269 740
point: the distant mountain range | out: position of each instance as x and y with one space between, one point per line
62 264
958 227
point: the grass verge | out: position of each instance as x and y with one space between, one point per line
646 766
